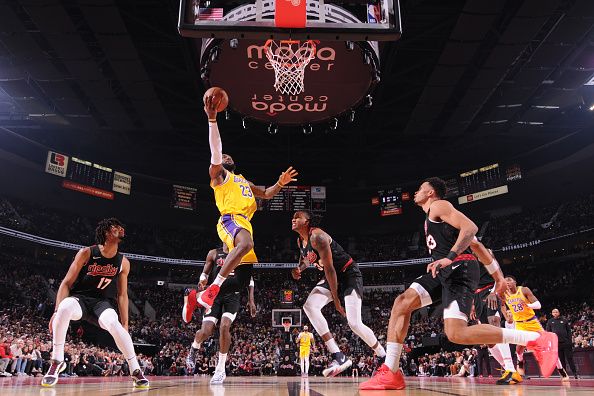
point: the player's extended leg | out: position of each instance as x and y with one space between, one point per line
543 344
242 245
389 376
108 320
352 306
225 343
206 330
502 353
69 309
318 299
302 365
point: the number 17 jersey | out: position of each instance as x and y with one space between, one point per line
98 277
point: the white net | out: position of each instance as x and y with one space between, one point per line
289 58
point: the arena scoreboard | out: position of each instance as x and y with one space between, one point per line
390 202
293 198
87 177
485 182
90 174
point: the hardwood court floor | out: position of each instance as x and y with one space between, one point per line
291 386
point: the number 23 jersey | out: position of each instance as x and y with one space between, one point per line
98 277
234 196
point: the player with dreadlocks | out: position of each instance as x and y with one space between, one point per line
342 282
97 276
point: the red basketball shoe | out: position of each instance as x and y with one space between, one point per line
384 379
207 297
545 351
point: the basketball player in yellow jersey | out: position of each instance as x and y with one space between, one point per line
521 304
305 340
235 197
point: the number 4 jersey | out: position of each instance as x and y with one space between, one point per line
98 277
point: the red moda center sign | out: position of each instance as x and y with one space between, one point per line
336 80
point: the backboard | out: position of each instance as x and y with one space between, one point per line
336 20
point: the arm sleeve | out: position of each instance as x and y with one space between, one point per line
216 146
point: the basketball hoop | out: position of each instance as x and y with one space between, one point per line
289 58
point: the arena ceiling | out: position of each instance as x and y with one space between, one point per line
470 82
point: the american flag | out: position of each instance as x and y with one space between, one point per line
210 14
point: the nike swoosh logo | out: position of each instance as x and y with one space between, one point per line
455 266
96 258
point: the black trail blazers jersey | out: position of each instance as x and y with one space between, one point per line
340 258
98 277
441 237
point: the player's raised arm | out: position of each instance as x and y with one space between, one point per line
285 178
216 170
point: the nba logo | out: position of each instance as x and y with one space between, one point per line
374 13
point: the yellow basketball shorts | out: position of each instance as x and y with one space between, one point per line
228 227
532 325
303 353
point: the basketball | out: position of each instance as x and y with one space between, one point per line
219 95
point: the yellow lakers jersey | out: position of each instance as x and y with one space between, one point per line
305 340
235 196
518 306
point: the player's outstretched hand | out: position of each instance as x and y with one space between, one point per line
435 266
492 301
501 290
210 107
296 273
287 176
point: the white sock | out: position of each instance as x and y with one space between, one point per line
518 337
393 351
332 346
302 364
379 350
221 363
559 365
195 345
508 362
306 365
133 364
219 280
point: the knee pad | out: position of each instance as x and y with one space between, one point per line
70 308
109 319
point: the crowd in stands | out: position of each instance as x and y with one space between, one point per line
30 277
531 224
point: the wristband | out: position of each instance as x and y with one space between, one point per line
281 185
203 276
493 267
212 121
452 255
